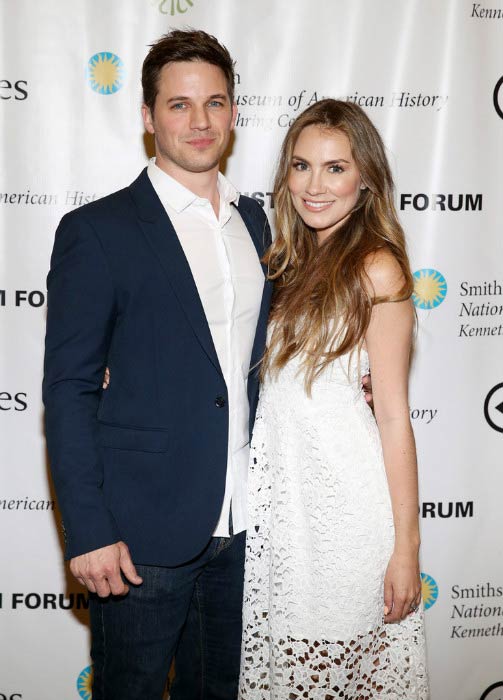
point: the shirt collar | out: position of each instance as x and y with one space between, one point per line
227 191
178 197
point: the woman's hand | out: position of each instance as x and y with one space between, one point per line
402 586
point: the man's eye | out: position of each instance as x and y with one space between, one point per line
215 103
178 105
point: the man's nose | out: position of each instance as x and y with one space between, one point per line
199 118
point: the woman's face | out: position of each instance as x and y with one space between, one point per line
324 181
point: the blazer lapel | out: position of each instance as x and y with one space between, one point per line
164 241
260 241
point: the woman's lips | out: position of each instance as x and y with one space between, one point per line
316 206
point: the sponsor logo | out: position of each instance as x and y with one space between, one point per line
26 504
430 288
481 12
13 402
476 308
13 90
494 692
22 297
105 73
71 198
45 601
476 618
10 696
27 197
483 289
423 415
402 99
480 590
85 682
441 202
429 590
493 408
447 509
263 198
498 97
267 111
173 7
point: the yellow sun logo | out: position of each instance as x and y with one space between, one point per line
85 682
105 72
430 288
429 590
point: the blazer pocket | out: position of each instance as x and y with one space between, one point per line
124 438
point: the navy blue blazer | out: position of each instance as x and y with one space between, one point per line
144 461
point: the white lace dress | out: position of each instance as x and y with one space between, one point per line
320 535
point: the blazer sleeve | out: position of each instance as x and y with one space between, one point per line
80 322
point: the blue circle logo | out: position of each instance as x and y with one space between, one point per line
430 289
84 683
105 73
429 590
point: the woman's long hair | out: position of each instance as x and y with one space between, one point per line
323 301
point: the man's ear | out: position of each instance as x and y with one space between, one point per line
234 115
148 121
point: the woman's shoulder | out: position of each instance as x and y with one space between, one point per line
384 273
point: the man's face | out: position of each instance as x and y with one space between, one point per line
192 118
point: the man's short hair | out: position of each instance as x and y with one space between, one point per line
184 45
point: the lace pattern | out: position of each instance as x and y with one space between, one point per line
319 538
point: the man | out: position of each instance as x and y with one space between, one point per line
162 283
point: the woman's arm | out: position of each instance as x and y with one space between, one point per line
388 341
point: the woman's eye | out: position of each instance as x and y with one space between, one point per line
335 169
299 165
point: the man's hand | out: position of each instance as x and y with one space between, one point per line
106 378
100 570
367 390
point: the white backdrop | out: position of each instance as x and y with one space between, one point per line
430 74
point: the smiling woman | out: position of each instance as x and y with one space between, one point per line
324 187
333 178
333 535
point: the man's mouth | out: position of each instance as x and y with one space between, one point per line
201 142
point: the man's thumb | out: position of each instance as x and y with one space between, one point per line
127 566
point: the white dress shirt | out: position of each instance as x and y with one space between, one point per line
229 279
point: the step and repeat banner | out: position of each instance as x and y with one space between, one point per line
430 75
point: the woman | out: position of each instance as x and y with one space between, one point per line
332 584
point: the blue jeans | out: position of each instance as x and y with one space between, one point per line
191 613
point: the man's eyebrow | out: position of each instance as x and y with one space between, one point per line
178 98
185 98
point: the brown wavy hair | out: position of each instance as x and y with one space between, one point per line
184 45
323 298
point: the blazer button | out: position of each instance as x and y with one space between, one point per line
220 402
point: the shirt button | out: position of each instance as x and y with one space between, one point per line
220 402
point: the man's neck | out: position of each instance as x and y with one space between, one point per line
204 185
